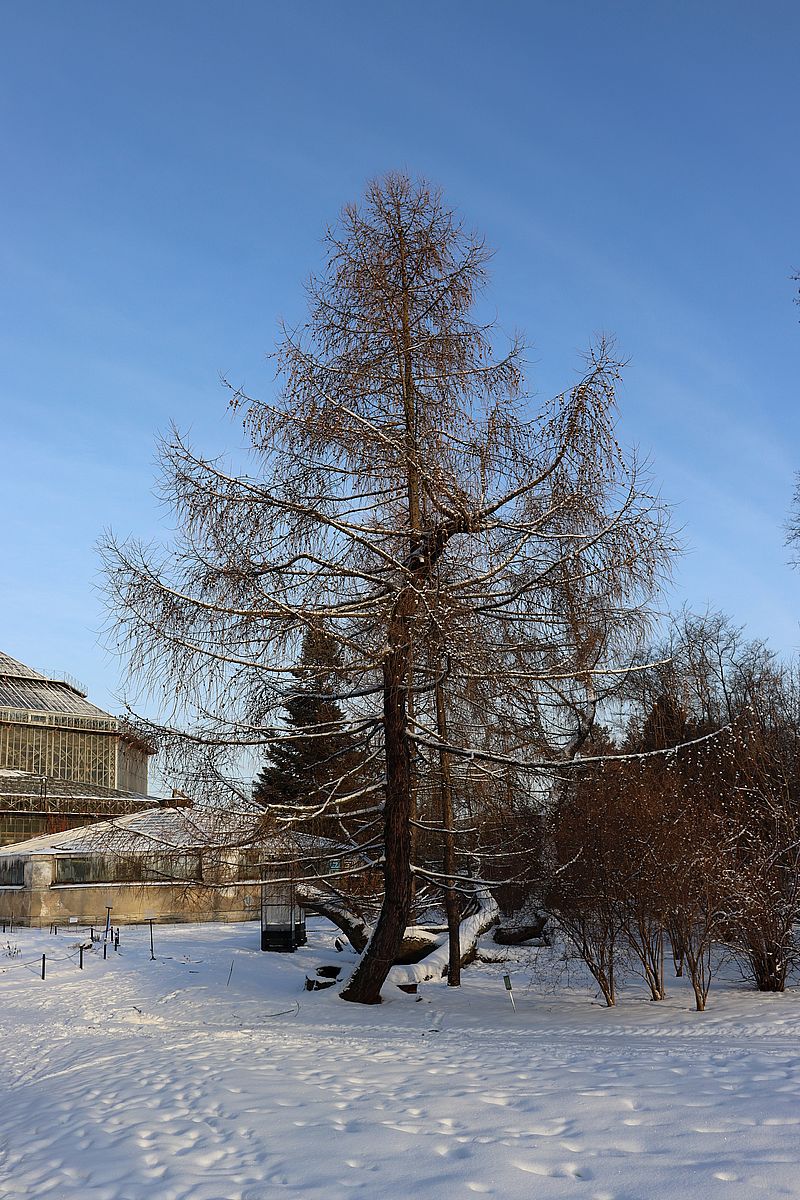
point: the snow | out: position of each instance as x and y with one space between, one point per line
177 1080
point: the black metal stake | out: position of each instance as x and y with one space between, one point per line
105 950
80 959
42 966
116 939
152 952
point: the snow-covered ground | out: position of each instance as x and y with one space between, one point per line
135 1079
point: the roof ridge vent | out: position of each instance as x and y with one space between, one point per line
70 681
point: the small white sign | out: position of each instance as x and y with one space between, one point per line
73 920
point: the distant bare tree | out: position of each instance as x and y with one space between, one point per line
587 895
761 811
478 569
693 831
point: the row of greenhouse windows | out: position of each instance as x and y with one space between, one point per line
133 868
27 716
60 753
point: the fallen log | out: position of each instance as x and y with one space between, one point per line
434 965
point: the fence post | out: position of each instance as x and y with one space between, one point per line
80 959
105 950
42 966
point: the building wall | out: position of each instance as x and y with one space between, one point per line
132 764
39 902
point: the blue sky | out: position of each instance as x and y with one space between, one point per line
169 170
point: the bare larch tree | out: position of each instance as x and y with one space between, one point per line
482 569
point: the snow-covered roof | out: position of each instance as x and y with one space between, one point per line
16 786
47 696
158 830
11 667
23 688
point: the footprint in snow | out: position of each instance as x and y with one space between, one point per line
565 1170
450 1151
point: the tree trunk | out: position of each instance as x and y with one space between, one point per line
406 369
676 941
451 899
383 947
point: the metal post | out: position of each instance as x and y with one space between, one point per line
152 953
105 950
42 966
80 959
109 930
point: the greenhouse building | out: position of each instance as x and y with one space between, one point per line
168 863
63 761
